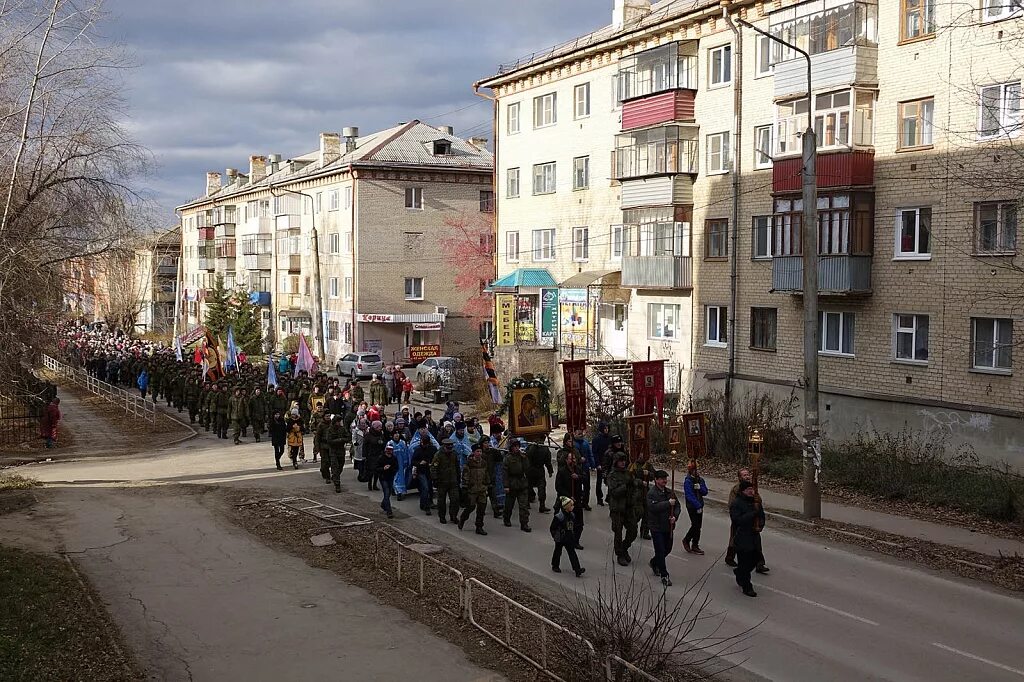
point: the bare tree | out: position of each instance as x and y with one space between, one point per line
126 284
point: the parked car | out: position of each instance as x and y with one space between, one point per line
435 370
357 365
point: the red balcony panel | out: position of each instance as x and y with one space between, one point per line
844 169
206 233
664 107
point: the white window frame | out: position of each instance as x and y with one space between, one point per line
997 10
545 110
655 313
334 239
581 173
996 325
1010 118
914 331
581 244
924 126
411 293
1002 234
332 200
766 224
540 170
543 245
512 178
512 246
846 343
512 119
762 154
347 288
332 287
348 197
616 242
724 162
763 46
721 315
720 74
414 198
581 101
917 212
346 242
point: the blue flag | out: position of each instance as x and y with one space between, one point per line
232 359
271 374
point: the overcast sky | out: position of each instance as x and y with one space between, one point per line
218 80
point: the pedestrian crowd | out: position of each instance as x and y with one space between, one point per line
455 466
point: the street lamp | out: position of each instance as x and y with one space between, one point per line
812 436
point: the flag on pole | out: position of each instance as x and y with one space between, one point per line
490 376
177 349
305 360
197 357
271 374
232 359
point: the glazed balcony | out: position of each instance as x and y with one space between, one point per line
206 233
664 190
844 169
838 274
259 261
290 262
658 151
657 272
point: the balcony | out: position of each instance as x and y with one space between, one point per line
206 263
657 272
666 190
837 274
167 270
224 230
660 151
225 248
290 301
664 107
845 169
257 244
206 233
833 70
260 261
222 215
290 262
288 222
226 263
260 298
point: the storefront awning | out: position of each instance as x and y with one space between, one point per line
585 279
522 278
399 318
607 282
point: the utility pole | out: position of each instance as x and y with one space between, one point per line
809 244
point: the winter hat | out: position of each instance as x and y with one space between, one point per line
563 500
377 425
399 422
389 448
660 473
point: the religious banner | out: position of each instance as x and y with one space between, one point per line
506 322
695 430
574 373
649 388
639 437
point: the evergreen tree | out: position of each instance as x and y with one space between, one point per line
247 324
218 310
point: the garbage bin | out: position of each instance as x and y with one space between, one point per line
438 395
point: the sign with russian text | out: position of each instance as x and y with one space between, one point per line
649 388
506 322
426 326
548 313
574 373
421 353
576 327
375 317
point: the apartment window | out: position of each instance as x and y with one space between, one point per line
663 321
414 198
717 322
544 245
347 336
332 200
334 239
581 172
1000 109
991 343
761 239
835 333
716 237
718 153
332 330
580 243
916 123
545 110
763 147
414 288
486 201
617 241
720 65
346 242
512 183
348 197
544 178
913 232
318 205
581 100
996 227
763 65
332 287
512 247
917 19
763 327
348 288
993 10
512 119
910 340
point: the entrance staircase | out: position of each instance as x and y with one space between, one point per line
611 389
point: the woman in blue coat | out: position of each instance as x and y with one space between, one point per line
403 453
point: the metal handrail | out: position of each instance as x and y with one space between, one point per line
128 401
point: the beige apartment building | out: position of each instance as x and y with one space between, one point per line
686 211
379 204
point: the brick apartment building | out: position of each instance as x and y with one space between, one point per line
653 165
379 203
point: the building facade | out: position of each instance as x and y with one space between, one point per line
379 204
155 279
693 130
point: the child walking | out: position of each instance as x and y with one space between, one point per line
564 534
295 443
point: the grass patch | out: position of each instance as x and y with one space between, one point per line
17 482
49 629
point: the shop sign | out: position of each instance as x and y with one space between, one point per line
421 353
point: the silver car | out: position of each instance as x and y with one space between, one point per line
356 365
435 369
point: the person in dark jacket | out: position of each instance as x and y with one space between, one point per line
422 456
278 436
662 512
322 444
730 554
747 516
373 447
620 504
444 470
569 483
564 535
601 446
695 490
476 479
540 459
257 413
513 472
387 467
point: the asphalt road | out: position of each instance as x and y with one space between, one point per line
827 611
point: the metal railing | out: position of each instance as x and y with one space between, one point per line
613 665
415 578
132 404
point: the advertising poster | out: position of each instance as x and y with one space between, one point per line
548 313
574 374
649 388
506 322
575 321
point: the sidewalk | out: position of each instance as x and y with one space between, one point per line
888 523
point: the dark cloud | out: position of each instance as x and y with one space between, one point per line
218 80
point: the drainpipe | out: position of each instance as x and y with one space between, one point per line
737 135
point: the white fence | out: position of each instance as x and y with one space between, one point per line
132 404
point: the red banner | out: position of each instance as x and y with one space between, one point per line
649 388
575 375
639 437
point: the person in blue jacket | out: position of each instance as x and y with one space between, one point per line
695 490
143 383
403 454
585 455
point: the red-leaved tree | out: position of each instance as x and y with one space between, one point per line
469 251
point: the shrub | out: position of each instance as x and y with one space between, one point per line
728 434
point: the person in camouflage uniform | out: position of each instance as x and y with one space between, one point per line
517 487
193 393
337 439
257 413
622 504
539 457
221 407
238 410
476 480
316 420
444 471
643 473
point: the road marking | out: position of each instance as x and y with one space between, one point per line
979 659
811 602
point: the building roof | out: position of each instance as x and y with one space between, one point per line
407 145
523 277
665 10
